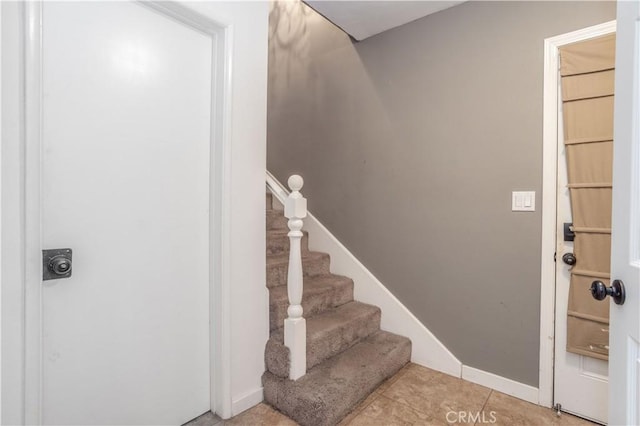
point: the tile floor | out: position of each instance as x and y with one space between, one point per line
419 396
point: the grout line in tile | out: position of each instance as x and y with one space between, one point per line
403 370
485 403
390 381
377 393
355 414
487 400
375 397
360 408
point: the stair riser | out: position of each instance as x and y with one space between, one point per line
276 358
276 220
343 338
329 402
279 243
277 355
277 274
338 295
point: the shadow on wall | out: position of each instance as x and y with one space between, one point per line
289 44
303 47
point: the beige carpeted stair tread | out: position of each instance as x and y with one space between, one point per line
319 294
283 258
328 334
330 390
313 264
276 220
278 242
269 199
273 203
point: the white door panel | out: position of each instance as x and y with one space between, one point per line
126 137
624 367
580 383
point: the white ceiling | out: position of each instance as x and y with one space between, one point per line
362 19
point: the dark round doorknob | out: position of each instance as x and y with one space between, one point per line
60 265
599 291
569 258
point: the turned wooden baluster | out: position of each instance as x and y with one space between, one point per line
295 327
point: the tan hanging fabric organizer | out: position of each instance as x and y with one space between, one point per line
587 71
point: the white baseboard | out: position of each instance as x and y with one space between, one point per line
247 401
501 384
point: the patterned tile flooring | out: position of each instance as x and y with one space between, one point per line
419 396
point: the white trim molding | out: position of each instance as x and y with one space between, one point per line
12 344
247 401
220 206
0 217
549 196
501 384
32 214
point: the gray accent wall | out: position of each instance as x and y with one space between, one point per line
410 143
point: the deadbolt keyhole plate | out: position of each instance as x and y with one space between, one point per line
55 262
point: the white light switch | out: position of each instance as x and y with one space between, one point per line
523 201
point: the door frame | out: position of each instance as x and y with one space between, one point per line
1 233
220 211
550 143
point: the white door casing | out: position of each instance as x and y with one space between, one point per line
132 60
0 220
578 383
624 352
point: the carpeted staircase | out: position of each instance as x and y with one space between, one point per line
348 355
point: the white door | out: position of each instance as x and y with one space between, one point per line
126 110
624 367
581 383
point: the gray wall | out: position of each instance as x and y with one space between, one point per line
410 144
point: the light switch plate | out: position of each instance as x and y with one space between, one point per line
523 201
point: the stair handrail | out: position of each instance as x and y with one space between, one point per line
276 188
295 327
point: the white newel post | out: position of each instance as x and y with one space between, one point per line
295 327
